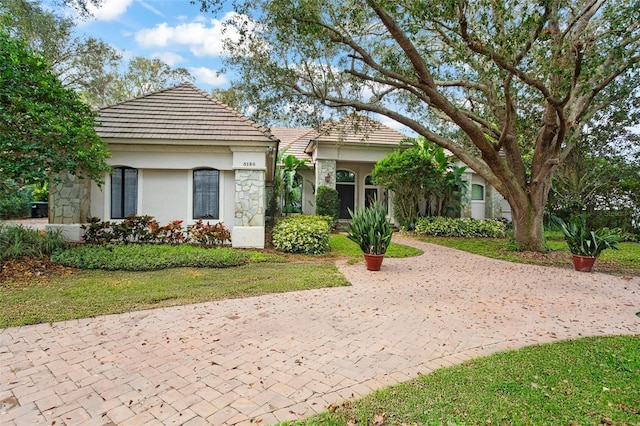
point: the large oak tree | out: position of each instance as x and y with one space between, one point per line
507 86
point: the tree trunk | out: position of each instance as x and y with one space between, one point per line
528 226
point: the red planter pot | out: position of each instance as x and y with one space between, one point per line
583 263
373 261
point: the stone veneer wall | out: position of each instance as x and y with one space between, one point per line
493 206
465 211
250 198
324 168
69 199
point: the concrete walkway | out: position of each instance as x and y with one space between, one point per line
271 358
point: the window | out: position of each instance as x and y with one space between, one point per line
206 194
477 192
370 192
343 176
124 192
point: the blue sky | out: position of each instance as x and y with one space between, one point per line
172 30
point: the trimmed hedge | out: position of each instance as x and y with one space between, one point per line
146 257
448 227
304 234
327 202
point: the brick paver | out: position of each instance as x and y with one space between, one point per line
284 356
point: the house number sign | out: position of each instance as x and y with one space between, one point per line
249 160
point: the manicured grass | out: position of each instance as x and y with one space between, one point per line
89 293
343 246
587 381
624 261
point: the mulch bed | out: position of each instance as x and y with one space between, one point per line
27 270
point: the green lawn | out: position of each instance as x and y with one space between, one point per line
625 261
343 246
586 382
89 293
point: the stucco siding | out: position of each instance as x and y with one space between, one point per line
308 194
97 207
164 195
170 159
227 199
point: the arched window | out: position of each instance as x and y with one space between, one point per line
124 192
206 194
477 192
345 176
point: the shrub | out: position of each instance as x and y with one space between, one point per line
209 235
14 205
18 241
448 227
145 229
171 233
134 229
328 202
98 232
148 257
302 234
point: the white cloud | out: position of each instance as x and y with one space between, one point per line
109 9
150 8
202 38
208 76
169 58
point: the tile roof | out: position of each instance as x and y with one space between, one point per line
356 128
351 129
182 112
294 140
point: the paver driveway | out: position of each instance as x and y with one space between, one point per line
270 358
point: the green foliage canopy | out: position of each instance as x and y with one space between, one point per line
421 172
44 127
508 87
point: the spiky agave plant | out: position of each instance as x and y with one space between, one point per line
584 241
370 229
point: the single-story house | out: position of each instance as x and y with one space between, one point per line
179 154
176 154
342 155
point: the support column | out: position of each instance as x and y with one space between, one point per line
69 201
250 196
493 206
465 210
326 173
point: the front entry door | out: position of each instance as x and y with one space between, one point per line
347 196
